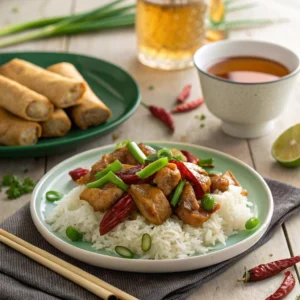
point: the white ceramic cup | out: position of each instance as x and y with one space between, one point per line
247 110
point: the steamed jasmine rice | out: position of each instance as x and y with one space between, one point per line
173 239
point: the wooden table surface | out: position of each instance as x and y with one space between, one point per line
119 47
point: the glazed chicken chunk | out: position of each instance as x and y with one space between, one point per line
102 199
188 209
167 178
151 202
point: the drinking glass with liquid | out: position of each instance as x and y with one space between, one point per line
169 32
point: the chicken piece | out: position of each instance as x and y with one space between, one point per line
201 175
151 202
188 209
102 199
167 178
146 149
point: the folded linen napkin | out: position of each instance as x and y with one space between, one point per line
22 278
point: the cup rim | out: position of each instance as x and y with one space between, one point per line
216 44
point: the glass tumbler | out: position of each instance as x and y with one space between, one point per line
169 32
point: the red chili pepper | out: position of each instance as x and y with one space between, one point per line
129 175
189 176
161 114
285 288
117 214
78 173
188 106
264 271
184 93
190 157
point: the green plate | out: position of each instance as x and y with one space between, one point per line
114 86
59 180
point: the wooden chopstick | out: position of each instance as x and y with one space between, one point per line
75 274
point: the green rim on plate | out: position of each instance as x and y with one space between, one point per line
113 85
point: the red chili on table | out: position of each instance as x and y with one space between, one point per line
285 288
184 93
188 106
264 271
117 214
161 114
190 157
78 173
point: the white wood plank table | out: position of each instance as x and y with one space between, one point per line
119 47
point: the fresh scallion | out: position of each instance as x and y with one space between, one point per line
114 167
207 161
124 252
109 177
53 196
136 152
165 153
73 234
146 242
151 158
122 144
208 202
177 193
251 223
153 168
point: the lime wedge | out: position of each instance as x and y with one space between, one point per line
286 149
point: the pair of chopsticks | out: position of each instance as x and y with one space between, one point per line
88 281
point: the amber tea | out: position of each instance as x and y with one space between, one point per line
247 69
169 31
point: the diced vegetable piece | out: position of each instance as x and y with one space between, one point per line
208 202
251 223
146 242
78 173
165 153
177 193
99 183
151 158
114 167
153 168
53 196
136 152
124 252
73 234
205 162
190 157
117 214
122 144
109 177
129 175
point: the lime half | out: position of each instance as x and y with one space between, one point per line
286 149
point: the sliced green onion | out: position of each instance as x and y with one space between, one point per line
151 158
124 252
252 223
114 167
136 152
73 234
177 193
122 144
146 242
208 202
207 161
153 168
210 171
53 196
178 157
109 177
165 153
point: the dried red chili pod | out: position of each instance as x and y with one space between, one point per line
117 214
129 175
78 173
190 157
285 288
264 271
161 114
184 93
188 106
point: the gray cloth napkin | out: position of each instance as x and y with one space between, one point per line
22 278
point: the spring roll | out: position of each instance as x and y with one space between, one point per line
15 131
59 124
92 111
24 102
61 91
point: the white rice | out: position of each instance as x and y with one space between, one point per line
172 239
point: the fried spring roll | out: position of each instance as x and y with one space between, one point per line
24 102
61 91
92 111
17 132
59 124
